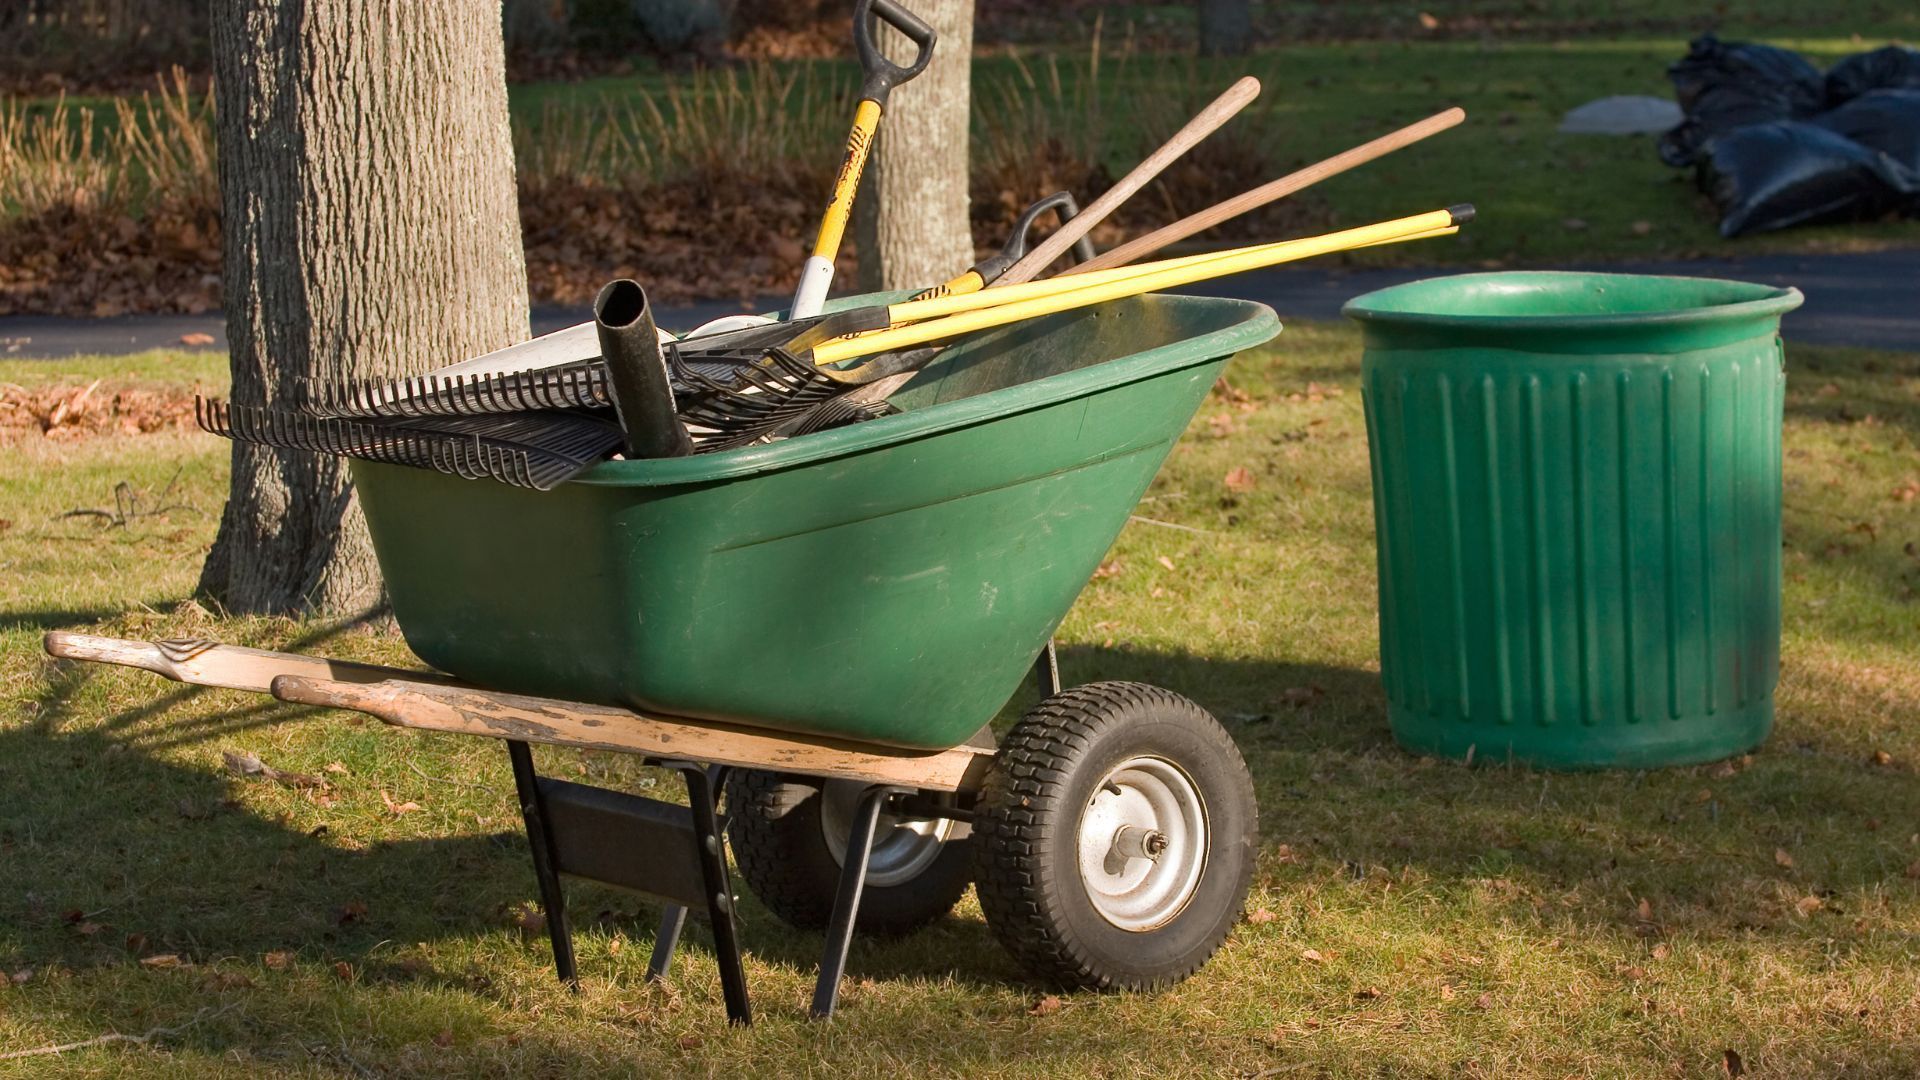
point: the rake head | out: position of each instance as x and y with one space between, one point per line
535 450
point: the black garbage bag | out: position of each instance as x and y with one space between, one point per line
1890 67
1883 120
1724 86
1785 173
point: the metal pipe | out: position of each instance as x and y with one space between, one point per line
637 372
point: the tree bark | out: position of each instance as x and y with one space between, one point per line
371 229
910 221
1226 27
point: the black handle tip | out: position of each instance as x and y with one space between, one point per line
1461 213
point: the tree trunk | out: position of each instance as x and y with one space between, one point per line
1226 27
371 229
910 221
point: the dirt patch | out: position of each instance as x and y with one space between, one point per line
72 411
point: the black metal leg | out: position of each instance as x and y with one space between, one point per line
701 787
552 898
1046 671
846 903
673 919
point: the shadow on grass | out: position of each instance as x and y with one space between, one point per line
91 825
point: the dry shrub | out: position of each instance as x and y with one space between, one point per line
1045 129
710 188
105 219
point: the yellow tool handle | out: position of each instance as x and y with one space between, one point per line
833 226
915 309
1097 288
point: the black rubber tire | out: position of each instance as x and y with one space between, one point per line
773 823
1027 822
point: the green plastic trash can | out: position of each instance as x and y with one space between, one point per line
1576 484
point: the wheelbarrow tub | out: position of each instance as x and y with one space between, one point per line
891 581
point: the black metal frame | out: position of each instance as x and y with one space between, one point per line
631 842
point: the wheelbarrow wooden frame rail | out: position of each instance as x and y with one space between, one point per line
426 701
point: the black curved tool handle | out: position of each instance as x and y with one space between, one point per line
993 266
882 74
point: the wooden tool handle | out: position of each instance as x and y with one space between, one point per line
1268 192
1209 119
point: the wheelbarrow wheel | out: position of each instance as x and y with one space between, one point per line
789 835
1114 838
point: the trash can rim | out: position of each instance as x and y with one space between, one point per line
1768 300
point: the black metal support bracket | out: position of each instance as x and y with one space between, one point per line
676 853
846 902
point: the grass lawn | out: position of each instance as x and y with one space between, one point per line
1410 917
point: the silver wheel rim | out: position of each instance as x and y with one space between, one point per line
902 848
1142 843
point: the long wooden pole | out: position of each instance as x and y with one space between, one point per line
1205 123
1276 189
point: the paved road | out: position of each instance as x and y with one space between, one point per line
1870 300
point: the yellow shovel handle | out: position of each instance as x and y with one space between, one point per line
1098 288
833 225
920 307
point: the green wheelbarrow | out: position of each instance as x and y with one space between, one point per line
816 634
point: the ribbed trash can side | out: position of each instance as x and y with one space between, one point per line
1579 555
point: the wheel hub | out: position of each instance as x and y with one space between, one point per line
1142 843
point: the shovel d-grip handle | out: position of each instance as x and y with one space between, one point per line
882 74
991 267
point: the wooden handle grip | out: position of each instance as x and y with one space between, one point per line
1271 191
1205 123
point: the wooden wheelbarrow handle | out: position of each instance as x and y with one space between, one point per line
1268 192
467 711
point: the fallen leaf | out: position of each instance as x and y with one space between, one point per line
343 971
225 980
1484 1001
1285 854
1312 956
1645 910
242 763
136 943
1573 224
1881 757
1428 21
88 929
691 1042
350 912
1366 993
20 977
196 339
1808 905
278 961
1641 228
1662 951
1164 561
1830 390
1730 1061
530 919
336 767
1913 869
1260 916
1110 568
1781 857
444 1039
161 960
1046 1006
5 525
1446 992
397 808
1240 479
